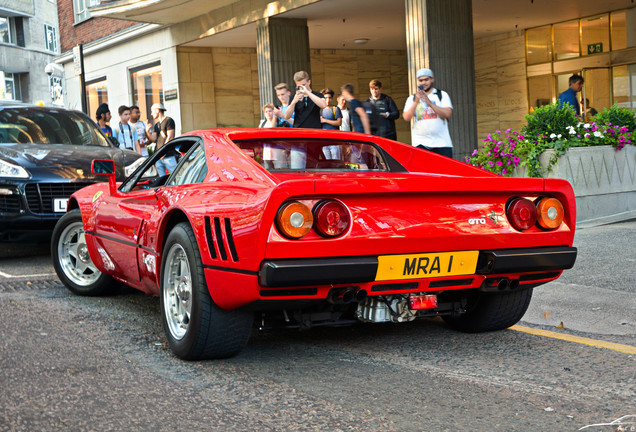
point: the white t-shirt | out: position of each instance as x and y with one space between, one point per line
428 129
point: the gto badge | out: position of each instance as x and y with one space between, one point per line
97 195
477 221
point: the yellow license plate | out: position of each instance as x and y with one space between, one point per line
428 265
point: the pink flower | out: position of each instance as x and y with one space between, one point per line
504 171
499 163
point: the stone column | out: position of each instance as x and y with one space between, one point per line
439 36
282 49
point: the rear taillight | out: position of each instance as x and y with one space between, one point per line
522 214
331 218
294 220
550 213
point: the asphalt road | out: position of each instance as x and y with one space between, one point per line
71 363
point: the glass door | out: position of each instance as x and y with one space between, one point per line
597 91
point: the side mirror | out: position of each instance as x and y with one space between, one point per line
105 167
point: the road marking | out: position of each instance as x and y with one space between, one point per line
625 349
9 276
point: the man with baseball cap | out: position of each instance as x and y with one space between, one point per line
103 117
161 133
430 109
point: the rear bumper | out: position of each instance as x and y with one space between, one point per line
322 271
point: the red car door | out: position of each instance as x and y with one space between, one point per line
118 223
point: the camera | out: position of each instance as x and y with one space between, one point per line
420 87
299 88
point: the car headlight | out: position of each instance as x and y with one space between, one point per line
9 170
128 170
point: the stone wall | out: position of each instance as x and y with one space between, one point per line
500 82
228 78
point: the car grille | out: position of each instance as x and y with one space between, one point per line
9 203
40 195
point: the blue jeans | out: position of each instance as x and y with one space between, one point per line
166 165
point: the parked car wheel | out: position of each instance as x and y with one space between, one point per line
492 311
195 326
71 260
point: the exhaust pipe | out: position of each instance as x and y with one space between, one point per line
341 295
503 285
360 296
514 284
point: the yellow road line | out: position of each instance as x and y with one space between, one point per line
625 349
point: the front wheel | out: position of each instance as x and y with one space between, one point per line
491 311
71 260
196 327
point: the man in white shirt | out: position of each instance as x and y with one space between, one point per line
140 126
430 108
124 132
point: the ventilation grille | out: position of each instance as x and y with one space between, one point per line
40 196
218 233
10 203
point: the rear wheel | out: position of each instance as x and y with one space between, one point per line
489 312
71 260
196 327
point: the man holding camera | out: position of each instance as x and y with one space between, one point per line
306 104
430 109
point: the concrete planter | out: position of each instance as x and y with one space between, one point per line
603 179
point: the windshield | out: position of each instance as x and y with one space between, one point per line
282 155
39 126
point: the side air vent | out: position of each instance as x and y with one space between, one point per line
216 240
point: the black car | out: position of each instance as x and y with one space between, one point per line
45 156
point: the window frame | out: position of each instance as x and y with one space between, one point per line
49 29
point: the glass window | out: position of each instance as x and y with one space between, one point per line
50 34
80 9
9 86
147 86
539 45
624 29
595 34
191 170
7 33
624 86
540 91
566 40
313 155
596 90
56 89
97 94
46 126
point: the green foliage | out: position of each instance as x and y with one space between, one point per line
549 119
551 127
617 116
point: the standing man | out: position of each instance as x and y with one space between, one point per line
284 96
430 109
359 119
386 110
162 133
569 97
140 127
346 116
103 117
125 133
306 105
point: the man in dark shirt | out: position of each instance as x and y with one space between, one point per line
306 105
569 96
161 133
386 110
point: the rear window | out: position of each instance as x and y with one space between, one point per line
281 155
38 126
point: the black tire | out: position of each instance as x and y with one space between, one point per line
489 312
195 326
72 262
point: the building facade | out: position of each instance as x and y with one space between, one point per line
214 64
29 41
